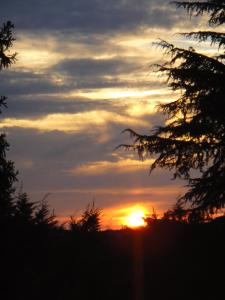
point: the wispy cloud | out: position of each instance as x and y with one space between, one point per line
73 122
101 167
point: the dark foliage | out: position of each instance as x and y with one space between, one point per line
6 41
171 260
152 218
73 225
214 8
24 209
193 138
43 216
8 174
91 219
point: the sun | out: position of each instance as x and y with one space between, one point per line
135 219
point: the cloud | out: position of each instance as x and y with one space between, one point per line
95 67
88 15
78 122
52 156
76 75
38 106
20 83
102 167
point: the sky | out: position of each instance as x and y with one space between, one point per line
83 75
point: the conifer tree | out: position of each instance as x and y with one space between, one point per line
74 225
24 209
193 138
91 219
8 175
43 217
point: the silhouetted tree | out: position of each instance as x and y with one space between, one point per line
24 209
152 218
177 213
43 217
74 225
91 219
8 174
193 138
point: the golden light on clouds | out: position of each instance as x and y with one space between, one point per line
140 43
36 52
115 93
37 58
140 109
120 166
74 122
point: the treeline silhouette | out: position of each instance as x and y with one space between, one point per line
168 259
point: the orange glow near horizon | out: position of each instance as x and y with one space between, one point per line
135 217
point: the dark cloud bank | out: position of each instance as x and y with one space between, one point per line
90 16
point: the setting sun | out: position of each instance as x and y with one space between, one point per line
136 219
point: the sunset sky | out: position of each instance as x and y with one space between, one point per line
82 76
